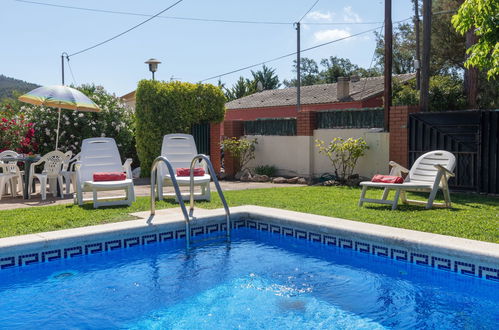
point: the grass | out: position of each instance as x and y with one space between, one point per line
472 216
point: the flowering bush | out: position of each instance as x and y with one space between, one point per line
343 154
16 133
114 120
241 149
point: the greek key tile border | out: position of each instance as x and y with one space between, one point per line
366 247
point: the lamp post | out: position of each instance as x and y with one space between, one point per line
153 65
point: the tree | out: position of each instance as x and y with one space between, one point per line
335 67
239 89
448 55
482 17
309 73
267 77
404 45
244 86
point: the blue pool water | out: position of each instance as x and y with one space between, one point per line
259 280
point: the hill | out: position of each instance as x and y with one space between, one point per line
8 85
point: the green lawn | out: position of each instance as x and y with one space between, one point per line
472 216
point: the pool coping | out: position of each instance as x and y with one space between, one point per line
464 256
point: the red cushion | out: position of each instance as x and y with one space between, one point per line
387 179
182 171
109 176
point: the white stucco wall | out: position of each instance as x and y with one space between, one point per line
289 154
298 156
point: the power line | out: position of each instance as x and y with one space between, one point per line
199 19
308 11
370 65
124 32
294 53
71 71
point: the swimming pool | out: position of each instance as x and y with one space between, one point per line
259 280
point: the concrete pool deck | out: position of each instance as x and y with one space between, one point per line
142 188
452 254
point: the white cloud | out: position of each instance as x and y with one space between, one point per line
350 16
320 16
330 35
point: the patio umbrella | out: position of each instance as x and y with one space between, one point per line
61 97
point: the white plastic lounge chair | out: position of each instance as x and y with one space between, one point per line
51 173
429 173
102 155
14 181
180 149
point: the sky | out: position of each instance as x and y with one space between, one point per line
34 36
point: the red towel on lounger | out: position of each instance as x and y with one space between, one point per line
109 176
182 171
387 179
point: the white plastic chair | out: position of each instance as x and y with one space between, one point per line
429 173
102 155
180 149
51 173
5 179
68 173
14 181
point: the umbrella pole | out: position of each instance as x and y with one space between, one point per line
58 124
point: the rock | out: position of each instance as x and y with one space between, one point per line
293 180
332 183
136 173
354 180
260 178
279 180
302 181
246 176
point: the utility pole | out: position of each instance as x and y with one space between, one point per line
62 66
424 93
388 62
298 71
417 62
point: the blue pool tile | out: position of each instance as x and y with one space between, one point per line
112 245
399 255
51 255
73 251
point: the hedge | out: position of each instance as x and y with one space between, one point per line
171 107
350 118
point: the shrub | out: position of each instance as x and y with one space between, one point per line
114 120
165 108
16 133
446 93
343 154
268 170
241 149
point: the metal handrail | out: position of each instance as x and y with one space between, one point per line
197 158
154 170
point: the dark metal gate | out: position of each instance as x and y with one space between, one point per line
201 134
470 135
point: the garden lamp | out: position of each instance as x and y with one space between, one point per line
153 65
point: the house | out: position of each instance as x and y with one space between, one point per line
129 99
347 93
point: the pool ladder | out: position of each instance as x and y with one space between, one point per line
188 216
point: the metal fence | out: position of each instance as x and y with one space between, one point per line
472 136
201 134
271 126
351 118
